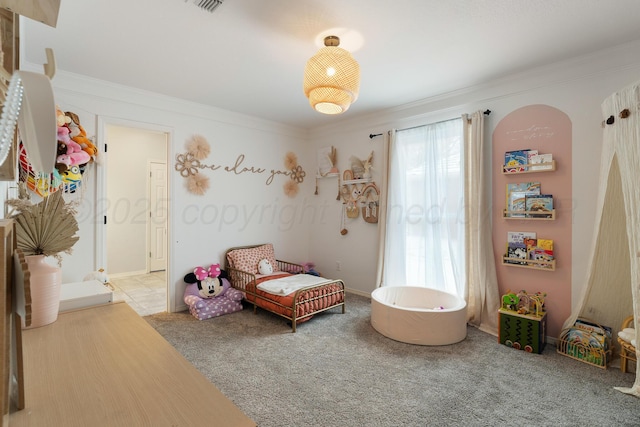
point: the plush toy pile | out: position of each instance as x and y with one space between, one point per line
74 152
209 294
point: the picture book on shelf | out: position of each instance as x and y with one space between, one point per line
522 187
541 162
546 244
515 161
539 205
519 236
530 243
517 204
543 257
517 246
516 251
542 252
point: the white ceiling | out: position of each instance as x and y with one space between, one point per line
248 55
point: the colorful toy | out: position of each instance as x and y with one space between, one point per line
79 135
510 301
71 179
531 304
524 303
209 293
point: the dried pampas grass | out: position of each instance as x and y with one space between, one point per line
290 161
291 188
197 184
199 147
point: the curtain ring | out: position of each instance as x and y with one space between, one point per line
625 113
610 120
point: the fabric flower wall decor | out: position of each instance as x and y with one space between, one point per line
190 163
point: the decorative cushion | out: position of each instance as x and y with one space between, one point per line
265 267
247 259
627 334
207 308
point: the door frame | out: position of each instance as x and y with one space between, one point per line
101 193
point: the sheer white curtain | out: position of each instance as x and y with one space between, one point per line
482 296
424 229
435 227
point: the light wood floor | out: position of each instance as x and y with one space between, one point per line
145 293
114 369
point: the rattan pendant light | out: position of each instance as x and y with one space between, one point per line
331 78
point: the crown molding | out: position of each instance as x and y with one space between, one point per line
77 84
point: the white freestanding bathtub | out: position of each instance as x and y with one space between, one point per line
418 315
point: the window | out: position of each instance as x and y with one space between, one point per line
425 216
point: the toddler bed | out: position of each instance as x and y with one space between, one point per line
286 291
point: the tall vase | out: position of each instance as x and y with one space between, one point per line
45 282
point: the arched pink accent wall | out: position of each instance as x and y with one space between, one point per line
548 130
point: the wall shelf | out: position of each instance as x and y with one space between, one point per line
356 181
529 215
549 167
549 265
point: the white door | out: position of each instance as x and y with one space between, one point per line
157 216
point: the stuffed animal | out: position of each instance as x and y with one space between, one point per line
265 267
61 118
209 293
79 135
74 150
71 178
209 281
310 268
63 163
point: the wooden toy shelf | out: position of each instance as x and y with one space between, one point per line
549 167
529 215
549 265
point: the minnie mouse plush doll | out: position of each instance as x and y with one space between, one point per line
209 293
209 281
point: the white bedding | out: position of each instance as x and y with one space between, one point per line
286 285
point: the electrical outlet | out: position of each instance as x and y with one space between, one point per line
338 265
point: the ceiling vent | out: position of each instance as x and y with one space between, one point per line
208 5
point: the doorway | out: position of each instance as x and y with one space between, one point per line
134 202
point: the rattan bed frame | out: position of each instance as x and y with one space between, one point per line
303 297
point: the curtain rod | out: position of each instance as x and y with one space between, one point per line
373 135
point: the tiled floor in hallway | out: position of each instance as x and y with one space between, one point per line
145 293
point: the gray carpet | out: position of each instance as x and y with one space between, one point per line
336 370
